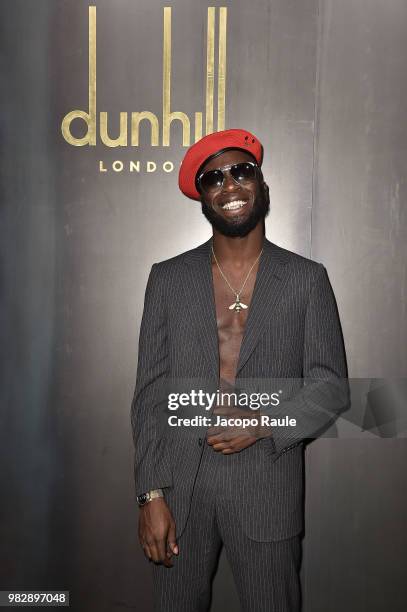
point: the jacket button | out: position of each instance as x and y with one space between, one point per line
200 441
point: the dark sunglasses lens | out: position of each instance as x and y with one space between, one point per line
212 179
243 172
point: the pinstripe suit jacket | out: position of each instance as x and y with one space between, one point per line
292 333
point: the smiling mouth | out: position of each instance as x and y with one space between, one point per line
235 205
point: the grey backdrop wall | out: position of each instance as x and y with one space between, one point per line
322 85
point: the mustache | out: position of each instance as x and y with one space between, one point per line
235 228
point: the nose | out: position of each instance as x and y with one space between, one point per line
229 184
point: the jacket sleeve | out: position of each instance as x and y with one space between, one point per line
325 390
151 468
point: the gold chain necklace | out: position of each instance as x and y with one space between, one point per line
237 305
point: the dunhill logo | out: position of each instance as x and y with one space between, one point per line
168 116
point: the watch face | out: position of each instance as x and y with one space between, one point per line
142 499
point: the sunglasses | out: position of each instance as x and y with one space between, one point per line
212 180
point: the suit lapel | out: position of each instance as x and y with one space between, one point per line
200 297
272 276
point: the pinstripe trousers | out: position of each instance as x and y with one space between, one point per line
265 573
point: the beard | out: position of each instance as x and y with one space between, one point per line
235 228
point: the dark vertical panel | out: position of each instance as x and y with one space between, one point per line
356 499
28 252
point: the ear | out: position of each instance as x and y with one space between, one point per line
266 191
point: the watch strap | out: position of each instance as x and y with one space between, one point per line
155 493
145 498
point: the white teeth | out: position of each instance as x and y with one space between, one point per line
234 205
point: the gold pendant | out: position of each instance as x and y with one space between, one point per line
237 306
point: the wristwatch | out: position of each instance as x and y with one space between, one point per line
144 498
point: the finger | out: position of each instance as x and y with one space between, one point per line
155 555
168 562
168 557
221 446
146 550
162 550
241 443
233 446
158 558
221 437
172 540
246 441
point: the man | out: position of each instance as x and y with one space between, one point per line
237 312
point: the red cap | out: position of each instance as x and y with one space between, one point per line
199 152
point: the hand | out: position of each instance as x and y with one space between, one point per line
157 532
233 439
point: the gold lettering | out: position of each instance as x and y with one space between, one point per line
135 127
121 140
168 116
117 165
151 166
134 166
222 68
102 167
90 117
198 126
168 166
210 69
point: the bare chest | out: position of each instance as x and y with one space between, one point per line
231 322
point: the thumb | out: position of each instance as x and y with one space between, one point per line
171 539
